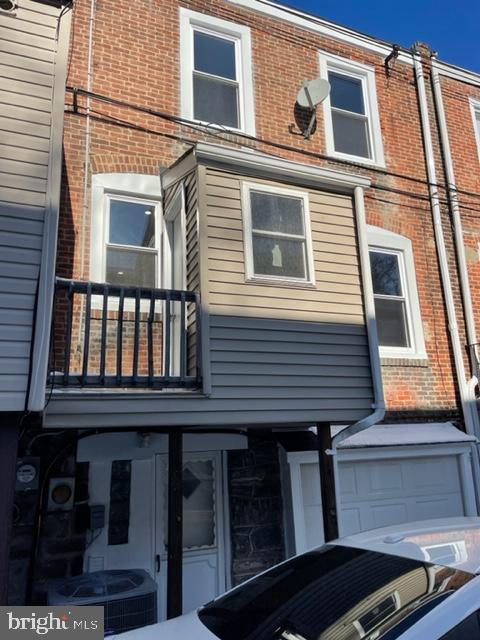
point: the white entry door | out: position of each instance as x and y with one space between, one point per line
204 574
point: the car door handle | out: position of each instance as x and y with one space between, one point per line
157 563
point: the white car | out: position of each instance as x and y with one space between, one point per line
419 581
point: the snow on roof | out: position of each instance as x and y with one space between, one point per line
388 435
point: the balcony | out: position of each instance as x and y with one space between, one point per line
107 336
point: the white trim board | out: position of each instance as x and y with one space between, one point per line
260 164
240 35
366 75
128 446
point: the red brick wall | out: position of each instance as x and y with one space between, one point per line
136 59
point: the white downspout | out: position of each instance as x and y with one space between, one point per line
379 401
459 243
373 347
470 423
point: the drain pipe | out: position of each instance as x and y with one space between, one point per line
378 405
462 265
471 424
459 243
373 346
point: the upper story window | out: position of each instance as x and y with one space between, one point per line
352 124
216 76
475 107
397 309
131 246
126 230
278 245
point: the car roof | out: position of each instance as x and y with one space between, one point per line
450 542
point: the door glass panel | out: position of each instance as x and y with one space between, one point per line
198 504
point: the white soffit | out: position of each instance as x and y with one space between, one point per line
391 435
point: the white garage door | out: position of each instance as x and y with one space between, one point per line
377 493
394 491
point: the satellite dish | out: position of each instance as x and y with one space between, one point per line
313 92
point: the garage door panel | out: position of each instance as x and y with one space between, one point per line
348 481
442 507
351 520
385 478
436 475
382 515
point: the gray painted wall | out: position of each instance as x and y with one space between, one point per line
28 71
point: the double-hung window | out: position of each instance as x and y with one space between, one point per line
390 298
216 72
397 308
126 230
131 247
277 234
475 107
352 125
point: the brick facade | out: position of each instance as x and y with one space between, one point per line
135 59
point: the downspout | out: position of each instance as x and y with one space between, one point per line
459 244
471 424
378 405
373 346
86 162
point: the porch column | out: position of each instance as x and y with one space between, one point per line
175 525
327 481
8 460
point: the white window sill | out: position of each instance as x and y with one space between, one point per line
218 127
389 354
273 282
368 162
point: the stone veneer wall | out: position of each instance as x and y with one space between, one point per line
256 509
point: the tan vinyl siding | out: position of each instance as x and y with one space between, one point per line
27 70
336 295
274 355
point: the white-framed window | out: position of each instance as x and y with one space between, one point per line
352 122
278 243
216 72
475 108
397 308
126 230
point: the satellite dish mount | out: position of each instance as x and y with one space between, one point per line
311 94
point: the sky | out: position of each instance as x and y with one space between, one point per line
450 27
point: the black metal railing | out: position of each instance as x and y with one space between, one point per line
106 335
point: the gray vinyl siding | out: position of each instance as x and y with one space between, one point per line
27 72
275 355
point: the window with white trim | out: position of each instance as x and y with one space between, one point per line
216 73
475 107
126 230
397 308
352 123
278 244
131 247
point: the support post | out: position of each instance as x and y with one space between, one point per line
8 461
175 525
327 481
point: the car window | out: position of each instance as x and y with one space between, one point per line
333 593
466 630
